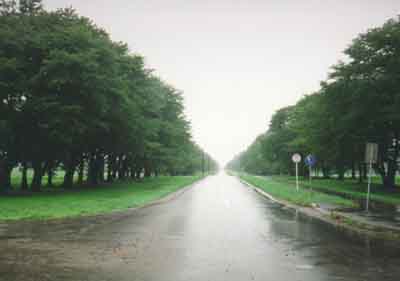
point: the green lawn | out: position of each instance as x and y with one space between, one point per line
378 180
117 196
58 178
347 187
287 191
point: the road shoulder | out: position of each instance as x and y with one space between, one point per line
20 229
345 221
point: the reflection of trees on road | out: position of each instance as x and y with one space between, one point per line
336 251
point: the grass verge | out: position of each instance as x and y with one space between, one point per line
287 192
117 196
348 187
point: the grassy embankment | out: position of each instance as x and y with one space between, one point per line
349 188
90 201
287 192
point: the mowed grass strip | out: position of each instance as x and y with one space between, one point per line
288 192
348 187
104 199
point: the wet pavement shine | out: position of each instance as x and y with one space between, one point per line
217 230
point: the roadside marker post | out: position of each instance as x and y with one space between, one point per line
371 156
296 158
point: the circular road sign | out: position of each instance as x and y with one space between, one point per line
296 158
310 160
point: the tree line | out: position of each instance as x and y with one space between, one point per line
358 103
73 99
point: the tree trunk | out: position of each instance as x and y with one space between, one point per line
100 167
109 169
24 180
126 167
69 177
121 171
81 170
5 176
113 174
49 169
325 171
389 179
96 168
138 172
38 170
70 167
353 170
389 182
365 171
360 173
92 173
50 174
341 171
306 172
387 161
147 169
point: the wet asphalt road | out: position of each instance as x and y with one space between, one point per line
217 230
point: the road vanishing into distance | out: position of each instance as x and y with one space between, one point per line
219 229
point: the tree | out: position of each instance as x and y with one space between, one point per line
373 70
30 6
72 99
359 103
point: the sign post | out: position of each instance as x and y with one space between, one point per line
310 161
296 158
371 156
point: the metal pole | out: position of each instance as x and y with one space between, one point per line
309 167
297 177
369 184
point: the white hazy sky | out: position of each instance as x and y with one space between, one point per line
237 61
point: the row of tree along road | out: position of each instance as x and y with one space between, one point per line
72 99
359 103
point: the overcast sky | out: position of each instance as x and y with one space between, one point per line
237 61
